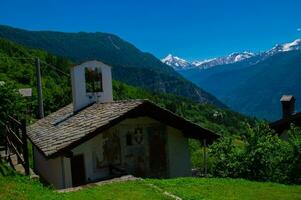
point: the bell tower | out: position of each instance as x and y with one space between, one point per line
91 82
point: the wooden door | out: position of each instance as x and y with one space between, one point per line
157 152
78 170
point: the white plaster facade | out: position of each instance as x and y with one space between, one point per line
178 154
58 173
53 171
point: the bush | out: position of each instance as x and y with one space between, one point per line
226 158
261 156
294 139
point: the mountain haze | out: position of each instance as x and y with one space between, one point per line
254 85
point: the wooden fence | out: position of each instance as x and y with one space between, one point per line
16 141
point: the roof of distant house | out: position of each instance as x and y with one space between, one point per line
283 124
63 130
287 98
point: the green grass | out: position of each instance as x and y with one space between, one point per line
20 187
123 190
14 186
218 188
5 170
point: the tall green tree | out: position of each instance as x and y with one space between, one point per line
11 103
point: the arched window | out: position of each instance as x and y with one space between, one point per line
93 80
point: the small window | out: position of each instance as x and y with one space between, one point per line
129 141
93 80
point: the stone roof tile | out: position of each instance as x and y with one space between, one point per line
62 127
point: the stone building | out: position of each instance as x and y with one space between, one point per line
96 138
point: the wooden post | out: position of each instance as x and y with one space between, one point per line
205 157
19 132
25 148
6 142
39 88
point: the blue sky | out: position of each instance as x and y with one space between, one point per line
192 29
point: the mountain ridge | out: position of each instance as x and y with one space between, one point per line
254 86
180 64
130 65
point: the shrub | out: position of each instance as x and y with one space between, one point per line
226 158
262 156
294 139
265 155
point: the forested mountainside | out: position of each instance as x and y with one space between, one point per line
130 65
16 68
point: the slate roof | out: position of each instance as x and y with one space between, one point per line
64 129
284 124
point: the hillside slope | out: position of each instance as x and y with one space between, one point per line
57 91
264 85
130 65
256 90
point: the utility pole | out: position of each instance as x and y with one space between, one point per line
39 88
205 157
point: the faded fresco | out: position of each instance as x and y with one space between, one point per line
139 150
134 151
109 152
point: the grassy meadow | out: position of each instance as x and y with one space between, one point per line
226 188
14 186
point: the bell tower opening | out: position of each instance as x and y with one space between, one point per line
93 79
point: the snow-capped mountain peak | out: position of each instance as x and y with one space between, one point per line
203 62
295 45
236 57
176 62
180 64
232 58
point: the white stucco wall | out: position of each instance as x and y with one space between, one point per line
87 149
79 95
178 154
51 170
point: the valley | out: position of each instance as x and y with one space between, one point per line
249 83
